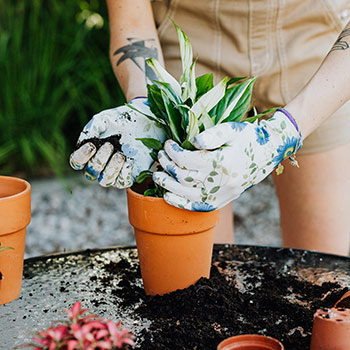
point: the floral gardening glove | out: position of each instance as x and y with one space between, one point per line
209 178
108 149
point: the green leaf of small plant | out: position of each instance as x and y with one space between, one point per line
187 145
235 80
151 143
154 155
237 104
150 192
143 176
257 116
204 83
231 99
164 76
174 119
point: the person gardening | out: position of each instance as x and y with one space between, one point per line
283 44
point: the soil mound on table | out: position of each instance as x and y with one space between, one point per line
252 294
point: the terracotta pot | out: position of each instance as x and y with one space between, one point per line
250 342
14 218
331 329
174 245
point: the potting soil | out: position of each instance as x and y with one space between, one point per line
249 294
257 290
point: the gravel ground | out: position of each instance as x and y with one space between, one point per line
79 214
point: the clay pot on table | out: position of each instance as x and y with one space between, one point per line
250 342
174 245
331 329
14 218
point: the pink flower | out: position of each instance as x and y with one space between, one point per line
83 333
119 336
75 312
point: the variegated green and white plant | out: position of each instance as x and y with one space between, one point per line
186 108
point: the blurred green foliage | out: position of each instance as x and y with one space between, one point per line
55 74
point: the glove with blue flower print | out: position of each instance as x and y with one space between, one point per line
108 149
232 157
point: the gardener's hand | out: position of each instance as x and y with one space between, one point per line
109 150
210 178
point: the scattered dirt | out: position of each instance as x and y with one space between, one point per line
246 294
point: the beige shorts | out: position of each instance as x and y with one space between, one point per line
283 42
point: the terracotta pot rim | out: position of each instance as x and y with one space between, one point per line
247 338
156 199
342 314
18 180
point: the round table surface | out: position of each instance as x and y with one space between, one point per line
52 283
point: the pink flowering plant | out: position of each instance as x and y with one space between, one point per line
88 332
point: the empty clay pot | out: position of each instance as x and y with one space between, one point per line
250 342
14 218
331 329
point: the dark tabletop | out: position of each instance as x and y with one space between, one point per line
53 283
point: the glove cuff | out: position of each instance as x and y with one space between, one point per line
292 120
137 98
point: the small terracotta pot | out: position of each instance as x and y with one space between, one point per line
250 342
331 329
174 245
14 218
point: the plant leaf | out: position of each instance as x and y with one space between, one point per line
206 120
157 120
242 106
187 79
204 83
164 76
143 176
188 145
235 80
174 118
257 116
192 87
154 155
193 127
210 98
231 98
155 102
151 143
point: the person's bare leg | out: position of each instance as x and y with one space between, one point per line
315 201
223 232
